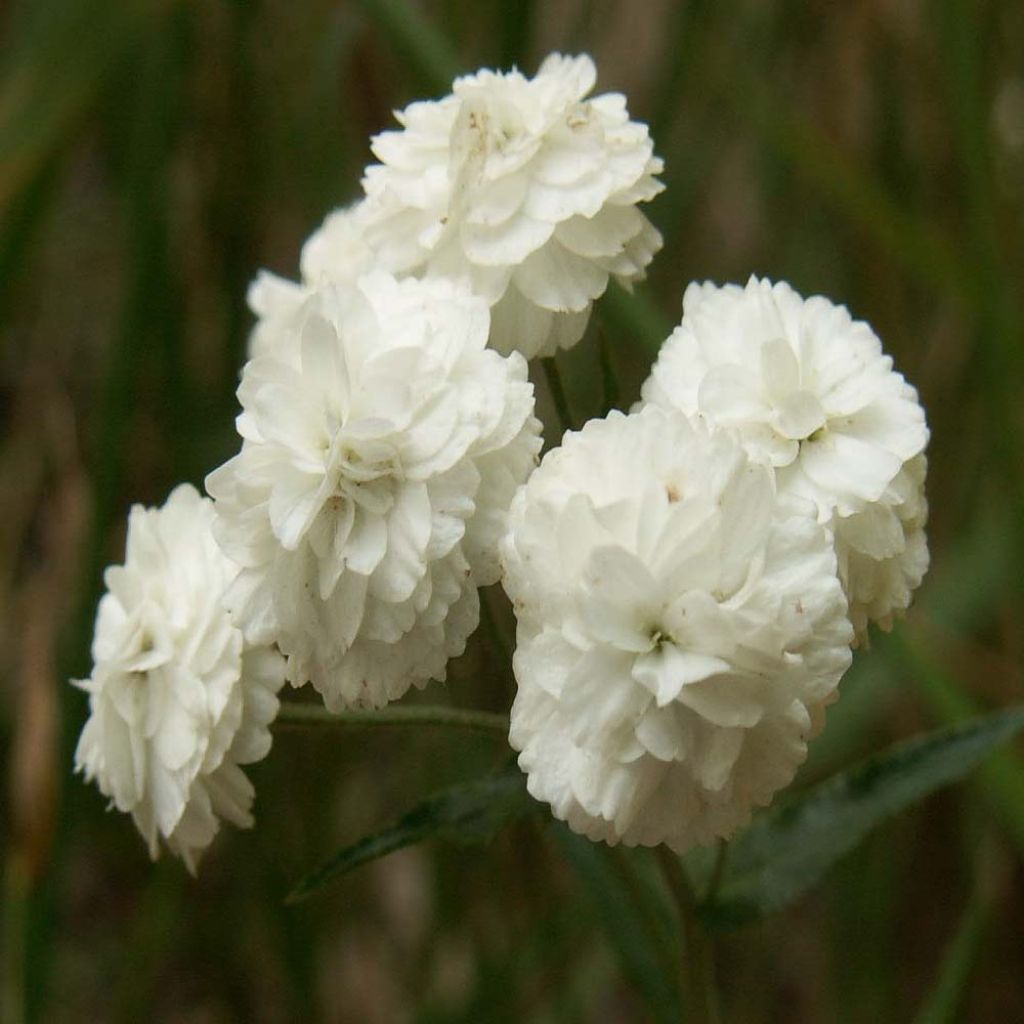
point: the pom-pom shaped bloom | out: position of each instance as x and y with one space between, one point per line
525 186
336 253
382 443
177 702
810 391
680 631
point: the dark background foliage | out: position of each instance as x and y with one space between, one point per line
155 153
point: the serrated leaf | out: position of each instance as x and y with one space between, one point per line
471 812
788 849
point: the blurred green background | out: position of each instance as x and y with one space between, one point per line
155 153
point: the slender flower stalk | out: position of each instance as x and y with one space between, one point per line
557 391
698 964
296 715
717 870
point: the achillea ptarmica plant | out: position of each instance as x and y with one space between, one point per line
382 443
680 630
809 391
177 701
524 186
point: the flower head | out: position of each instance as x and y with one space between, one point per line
382 442
177 702
680 631
524 186
809 391
336 253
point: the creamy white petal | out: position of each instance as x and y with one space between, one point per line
810 391
366 517
177 701
680 630
525 179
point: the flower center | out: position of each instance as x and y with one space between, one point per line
362 472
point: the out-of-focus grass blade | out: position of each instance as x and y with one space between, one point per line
684 35
20 226
922 250
641 949
471 812
788 849
47 87
425 46
516 26
946 998
962 51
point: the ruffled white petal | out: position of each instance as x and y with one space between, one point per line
525 187
810 391
378 460
176 700
680 630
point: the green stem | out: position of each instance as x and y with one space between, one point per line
491 618
717 870
698 966
647 912
558 398
298 715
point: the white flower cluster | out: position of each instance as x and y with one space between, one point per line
177 701
522 186
382 445
687 579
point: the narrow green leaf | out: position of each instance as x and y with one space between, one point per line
1001 779
471 812
630 914
788 849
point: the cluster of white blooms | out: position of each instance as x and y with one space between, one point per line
687 579
177 701
522 186
679 630
810 391
382 444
